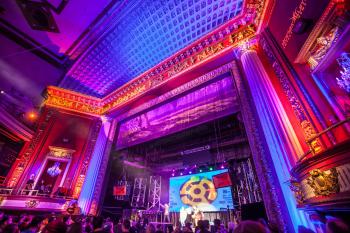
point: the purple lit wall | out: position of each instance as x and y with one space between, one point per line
210 102
32 77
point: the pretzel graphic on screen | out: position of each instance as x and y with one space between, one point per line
198 190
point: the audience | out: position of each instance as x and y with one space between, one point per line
85 224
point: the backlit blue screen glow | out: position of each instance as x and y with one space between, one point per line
198 190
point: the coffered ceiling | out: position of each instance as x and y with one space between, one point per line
143 35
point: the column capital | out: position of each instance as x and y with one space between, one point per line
246 46
105 118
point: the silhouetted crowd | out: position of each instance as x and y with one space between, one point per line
26 223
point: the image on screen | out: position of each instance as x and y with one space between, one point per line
198 190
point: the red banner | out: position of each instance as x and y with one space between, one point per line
119 190
222 180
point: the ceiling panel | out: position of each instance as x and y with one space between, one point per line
151 31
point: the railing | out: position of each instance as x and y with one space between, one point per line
30 192
309 142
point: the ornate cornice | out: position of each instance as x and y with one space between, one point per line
225 37
70 100
73 101
60 152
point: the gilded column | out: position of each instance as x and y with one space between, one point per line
90 194
281 140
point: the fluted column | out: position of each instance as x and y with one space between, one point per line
89 197
280 137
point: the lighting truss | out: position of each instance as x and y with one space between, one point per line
139 192
155 186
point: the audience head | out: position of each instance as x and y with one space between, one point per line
249 226
11 228
97 222
150 228
56 226
337 226
217 222
126 225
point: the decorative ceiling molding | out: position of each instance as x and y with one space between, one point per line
70 100
220 40
130 49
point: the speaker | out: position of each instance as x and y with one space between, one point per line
253 211
38 15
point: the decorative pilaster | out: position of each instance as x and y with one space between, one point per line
281 141
301 114
28 151
91 190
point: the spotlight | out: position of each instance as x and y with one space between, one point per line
200 170
210 168
195 165
181 174
173 174
222 167
2 92
32 115
190 172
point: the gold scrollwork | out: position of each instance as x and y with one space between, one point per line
296 188
32 203
324 183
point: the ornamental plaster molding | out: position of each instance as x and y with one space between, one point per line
268 181
333 9
307 127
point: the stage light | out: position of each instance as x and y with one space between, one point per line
173 174
31 115
200 170
195 165
190 172
210 168
222 167
2 92
181 174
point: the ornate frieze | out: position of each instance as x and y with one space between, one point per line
297 13
228 36
298 109
61 98
322 46
148 81
326 23
32 203
60 152
73 101
131 47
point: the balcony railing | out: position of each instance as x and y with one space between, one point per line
309 142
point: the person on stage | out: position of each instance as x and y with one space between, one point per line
183 216
197 215
166 207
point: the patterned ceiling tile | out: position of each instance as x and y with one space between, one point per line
152 31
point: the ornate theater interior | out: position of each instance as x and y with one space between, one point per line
176 113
